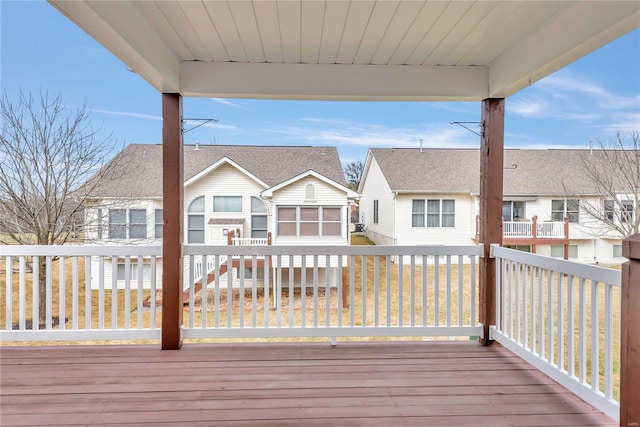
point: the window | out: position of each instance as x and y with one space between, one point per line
258 218
557 251
521 248
417 213
158 224
609 207
617 251
375 211
309 192
439 213
513 211
195 221
433 213
331 221
626 215
117 223
287 222
146 271
227 203
309 221
248 273
123 224
137 224
569 208
448 213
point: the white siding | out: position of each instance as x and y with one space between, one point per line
108 274
92 221
224 181
462 234
375 187
326 195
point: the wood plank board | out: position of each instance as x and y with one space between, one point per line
352 384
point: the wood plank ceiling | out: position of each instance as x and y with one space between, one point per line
312 49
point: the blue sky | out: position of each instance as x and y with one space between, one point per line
40 49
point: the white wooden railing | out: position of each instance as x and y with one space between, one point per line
517 229
524 229
248 241
564 318
550 230
435 294
73 309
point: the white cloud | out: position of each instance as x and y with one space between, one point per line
567 96
526 107
127 114
229 103
151 117
357 134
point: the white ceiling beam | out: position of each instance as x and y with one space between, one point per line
552 47
333 81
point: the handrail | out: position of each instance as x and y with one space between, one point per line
562 317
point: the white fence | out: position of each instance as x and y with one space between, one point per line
61 276
300 291
562 317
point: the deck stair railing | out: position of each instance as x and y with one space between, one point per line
564 318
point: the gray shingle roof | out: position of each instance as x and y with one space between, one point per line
538 172
139 166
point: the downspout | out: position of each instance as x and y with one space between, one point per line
395 219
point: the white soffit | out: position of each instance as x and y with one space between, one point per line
360 49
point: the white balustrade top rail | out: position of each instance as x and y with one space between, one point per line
564 318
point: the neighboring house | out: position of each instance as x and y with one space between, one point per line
293 195
430 197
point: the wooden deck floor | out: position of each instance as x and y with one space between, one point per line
353 384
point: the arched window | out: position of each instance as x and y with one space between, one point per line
195 221
258 219
310 192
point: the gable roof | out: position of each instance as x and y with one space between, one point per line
223 161
526 171
350 193
142 166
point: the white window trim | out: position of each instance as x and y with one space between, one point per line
298 221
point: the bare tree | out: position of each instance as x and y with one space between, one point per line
353 172
614 172
48 153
